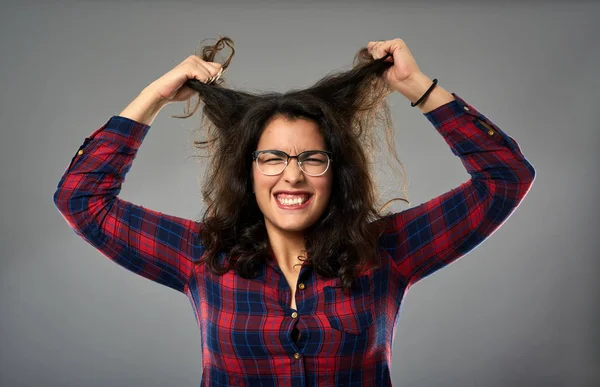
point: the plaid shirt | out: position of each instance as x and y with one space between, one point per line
247 324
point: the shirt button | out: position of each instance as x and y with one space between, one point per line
294 315
80 152
301 286
466 108
296 355
491 132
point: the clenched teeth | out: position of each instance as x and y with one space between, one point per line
290 200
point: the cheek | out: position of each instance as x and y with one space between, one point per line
327 183
253 180
324 189
262 185
257 178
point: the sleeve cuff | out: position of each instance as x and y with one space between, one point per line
449 117
451 111
122 130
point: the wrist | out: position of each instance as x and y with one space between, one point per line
150 97
415 86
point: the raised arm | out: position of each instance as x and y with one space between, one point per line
425 238
154 245
149 243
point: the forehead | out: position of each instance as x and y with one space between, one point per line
290 135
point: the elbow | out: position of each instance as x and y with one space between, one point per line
56 199
61 200
73 210
528 175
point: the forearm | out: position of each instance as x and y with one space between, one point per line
414 87
144 108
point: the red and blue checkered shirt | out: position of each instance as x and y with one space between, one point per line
345 339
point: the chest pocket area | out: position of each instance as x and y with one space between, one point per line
350 311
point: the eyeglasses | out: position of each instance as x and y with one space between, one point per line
272 162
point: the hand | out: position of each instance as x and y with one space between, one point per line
404 63
170 87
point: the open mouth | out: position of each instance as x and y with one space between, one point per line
292 201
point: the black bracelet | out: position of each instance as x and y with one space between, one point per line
426 94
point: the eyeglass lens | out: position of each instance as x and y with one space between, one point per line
274 162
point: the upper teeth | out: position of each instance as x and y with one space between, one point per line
291 199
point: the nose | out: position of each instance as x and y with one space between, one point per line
292 173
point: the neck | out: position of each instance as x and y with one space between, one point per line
286 246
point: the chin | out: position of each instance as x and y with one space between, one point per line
293 227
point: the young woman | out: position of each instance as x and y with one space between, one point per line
294 275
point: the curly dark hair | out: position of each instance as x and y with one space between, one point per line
348 106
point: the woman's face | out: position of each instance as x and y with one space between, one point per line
292 137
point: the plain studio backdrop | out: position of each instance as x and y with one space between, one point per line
519 310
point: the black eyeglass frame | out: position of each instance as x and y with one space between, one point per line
327 153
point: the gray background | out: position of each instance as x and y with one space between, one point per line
519 310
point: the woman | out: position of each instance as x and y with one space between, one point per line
294 275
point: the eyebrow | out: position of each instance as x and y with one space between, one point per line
328 153
308 150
